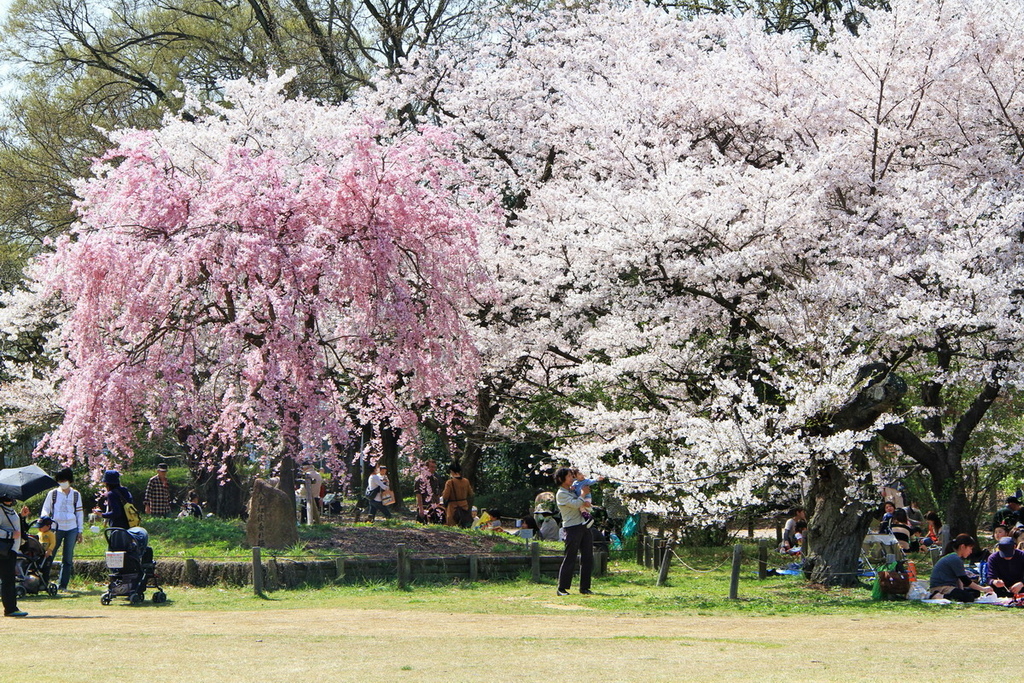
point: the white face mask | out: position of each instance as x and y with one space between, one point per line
64 485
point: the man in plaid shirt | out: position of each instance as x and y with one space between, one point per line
158 493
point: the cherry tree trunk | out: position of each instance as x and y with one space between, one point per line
222 495
836 529
956 509
389 450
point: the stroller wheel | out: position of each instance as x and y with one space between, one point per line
159 597
51 590
105 599
135 598
20 592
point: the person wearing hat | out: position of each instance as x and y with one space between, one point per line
10 542
1010 515
115 498
157 498
48 540
64 506
1006 568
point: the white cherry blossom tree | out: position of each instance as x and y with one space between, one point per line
723 246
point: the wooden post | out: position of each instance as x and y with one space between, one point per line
639 547
762 558
602 563
257 571
403 566
272 582
535 562
734 582
339 569
474 567
659 551
191 572
666 560
778 532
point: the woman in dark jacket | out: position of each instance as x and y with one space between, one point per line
10 534
116 496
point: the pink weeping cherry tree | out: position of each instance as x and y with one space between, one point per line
264 280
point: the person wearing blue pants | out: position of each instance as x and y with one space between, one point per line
64 506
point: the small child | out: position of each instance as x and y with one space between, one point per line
581 487
48 539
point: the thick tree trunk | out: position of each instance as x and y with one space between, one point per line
286 477
223 496
950 493
486 411
836 529
838 521
389 449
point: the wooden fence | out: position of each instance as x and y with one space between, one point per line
280 572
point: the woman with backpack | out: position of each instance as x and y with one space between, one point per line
64 505
116 498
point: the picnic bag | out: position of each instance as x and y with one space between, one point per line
387 497
894 583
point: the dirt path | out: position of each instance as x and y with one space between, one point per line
165 644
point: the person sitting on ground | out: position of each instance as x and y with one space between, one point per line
900 528
1010 515
789 539
490 520
915 516
888 509
998 533
799 535
529 524
1006 568
949 576
935 533
549 528
192 508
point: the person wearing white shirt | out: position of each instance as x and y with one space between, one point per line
64 505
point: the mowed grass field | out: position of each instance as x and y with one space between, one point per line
517 631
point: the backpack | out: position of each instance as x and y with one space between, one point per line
53 502
130 512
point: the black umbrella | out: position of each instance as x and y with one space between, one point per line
22 483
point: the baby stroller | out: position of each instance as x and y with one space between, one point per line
131 566
31 568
